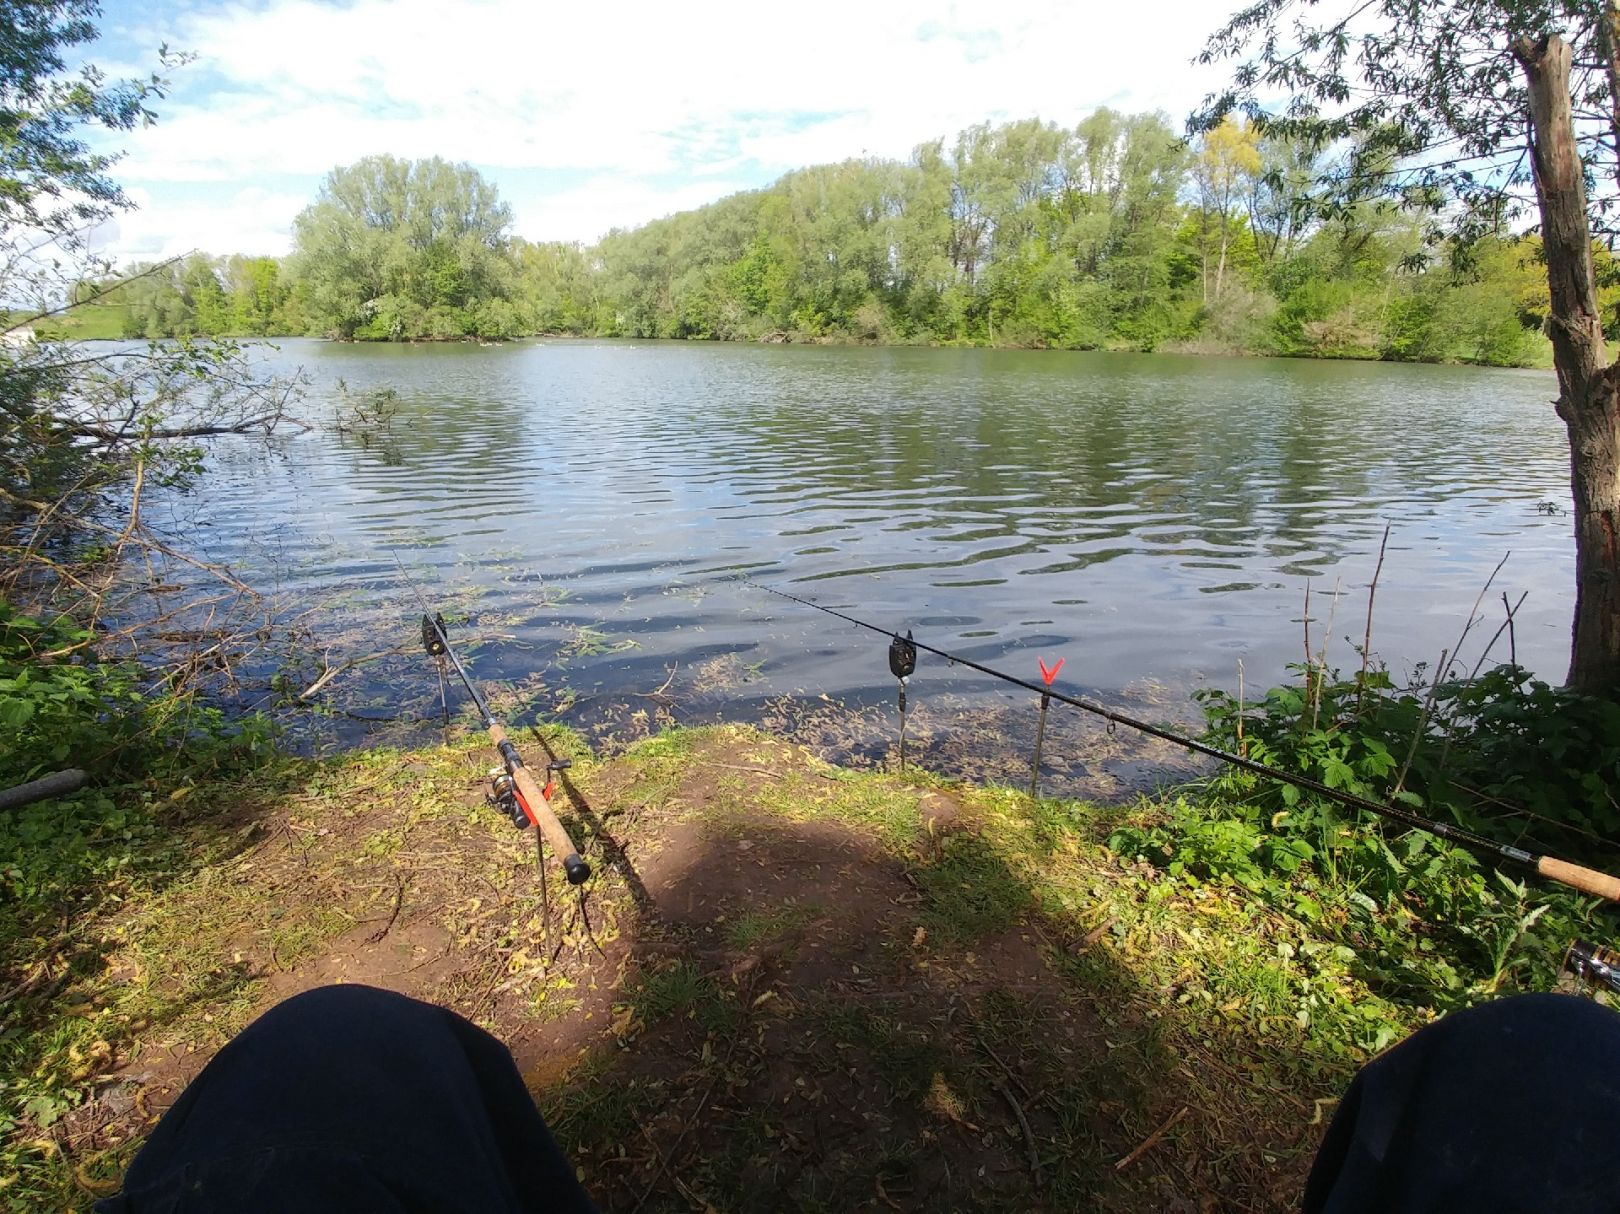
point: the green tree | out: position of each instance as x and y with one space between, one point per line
1026 234
1474 110
395 249
205 299
79 435
49 177
1225 171
257 295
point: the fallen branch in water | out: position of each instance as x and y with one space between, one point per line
331 672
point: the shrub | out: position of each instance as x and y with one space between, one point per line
1503 755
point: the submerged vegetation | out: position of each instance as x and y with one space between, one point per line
1115 233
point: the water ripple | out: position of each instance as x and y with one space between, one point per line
1152 516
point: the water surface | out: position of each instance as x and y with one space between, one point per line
595 512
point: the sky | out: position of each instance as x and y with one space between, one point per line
589 116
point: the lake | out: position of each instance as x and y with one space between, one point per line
591 516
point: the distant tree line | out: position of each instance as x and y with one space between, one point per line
1116 233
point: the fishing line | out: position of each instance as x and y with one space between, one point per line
1585 879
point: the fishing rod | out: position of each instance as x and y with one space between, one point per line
1587 880
518 788
515 789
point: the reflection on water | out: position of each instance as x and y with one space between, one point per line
1153 518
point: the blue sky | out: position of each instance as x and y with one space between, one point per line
589 116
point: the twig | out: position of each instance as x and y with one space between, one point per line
1473 614
123 536
1029 1134
757 771
399 901
1152 1140
585 918
1507 626
668 1157
659 694
1241 749
1366 640
41 971
1442 671
1309 665
562 935
332 672
1519 811
1321 656
997 1059
1422 728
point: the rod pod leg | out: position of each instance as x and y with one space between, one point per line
902 725
1040 741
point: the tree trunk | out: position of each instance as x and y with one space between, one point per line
1588 400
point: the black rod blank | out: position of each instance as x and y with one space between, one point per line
1587 880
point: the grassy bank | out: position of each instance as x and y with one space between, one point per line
790 986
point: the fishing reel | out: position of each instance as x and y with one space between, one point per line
1594 965
502 791
502 794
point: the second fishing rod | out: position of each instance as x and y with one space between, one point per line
903 656
514 789
520 788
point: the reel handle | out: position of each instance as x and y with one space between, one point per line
1594 964
538 807
533 799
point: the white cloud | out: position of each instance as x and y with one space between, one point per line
253 221
636 90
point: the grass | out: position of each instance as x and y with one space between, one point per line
763 927
88 322
971 892
791 987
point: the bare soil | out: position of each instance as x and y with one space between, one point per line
786 988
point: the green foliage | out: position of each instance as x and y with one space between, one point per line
1552 751
1425 98
55 711
1111 234
1469 746
50 178
62 707
1501 755
394 250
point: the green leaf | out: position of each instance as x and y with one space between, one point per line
15 713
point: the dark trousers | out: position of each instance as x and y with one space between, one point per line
354 1099
349 1098
1512 1105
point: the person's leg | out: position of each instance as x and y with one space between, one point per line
1512 1105
353 1098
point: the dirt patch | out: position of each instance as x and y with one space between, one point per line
787 987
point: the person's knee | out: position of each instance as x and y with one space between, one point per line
1513 1104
